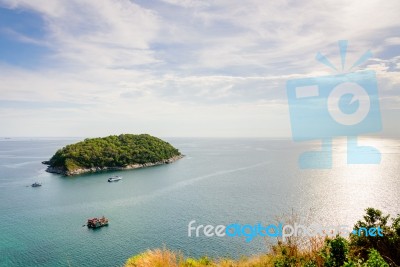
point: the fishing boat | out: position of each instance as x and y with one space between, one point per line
36 184
97 222
114 179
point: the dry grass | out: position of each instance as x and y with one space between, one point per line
156 258
302 248
166 258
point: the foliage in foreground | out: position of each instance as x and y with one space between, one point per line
356 251
113 151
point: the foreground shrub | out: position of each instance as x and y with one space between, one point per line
375 260
387 245
203 261
335 252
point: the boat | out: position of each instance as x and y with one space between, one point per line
36 184
97 222
114 179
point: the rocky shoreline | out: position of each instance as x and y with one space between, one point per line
62 171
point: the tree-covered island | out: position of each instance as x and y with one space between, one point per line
115 152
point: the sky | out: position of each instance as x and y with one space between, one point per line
184 68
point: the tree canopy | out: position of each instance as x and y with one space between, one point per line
113 151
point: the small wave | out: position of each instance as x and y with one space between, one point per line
18 165
160 192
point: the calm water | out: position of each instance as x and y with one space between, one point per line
220 181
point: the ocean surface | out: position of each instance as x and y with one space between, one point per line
219 181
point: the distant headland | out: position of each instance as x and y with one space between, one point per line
115 152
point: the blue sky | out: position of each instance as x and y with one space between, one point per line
180 67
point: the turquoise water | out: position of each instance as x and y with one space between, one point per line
220 181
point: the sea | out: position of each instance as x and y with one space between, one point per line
220 181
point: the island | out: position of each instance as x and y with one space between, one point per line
115 152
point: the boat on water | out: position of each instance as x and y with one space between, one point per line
114 179
36 184
97 222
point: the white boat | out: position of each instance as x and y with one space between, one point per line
114 179
36 184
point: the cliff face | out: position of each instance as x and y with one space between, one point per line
64 171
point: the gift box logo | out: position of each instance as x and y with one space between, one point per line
345 104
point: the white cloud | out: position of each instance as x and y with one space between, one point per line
187 3
188 62
392 41
48 8
97 33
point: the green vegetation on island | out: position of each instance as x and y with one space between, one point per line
125 151
354 251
